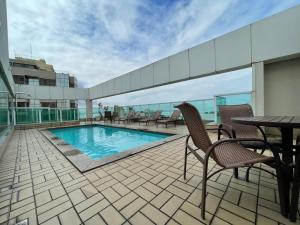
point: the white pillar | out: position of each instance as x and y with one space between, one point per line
89 109
258 95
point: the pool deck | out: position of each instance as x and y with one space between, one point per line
39 184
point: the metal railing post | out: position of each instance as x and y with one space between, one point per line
60 114
14 116
40 115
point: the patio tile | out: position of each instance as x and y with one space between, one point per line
77 196
88 202
172 205
94 209
54 211
133 207
147 188
121 189
111 195
144 193
95 220
126 200
89 190
232 218
111 216
52 204
52 221
185 219
139 218
57 192
69 217
154 214
21 210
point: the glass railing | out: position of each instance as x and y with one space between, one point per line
27 115
208 108
231 99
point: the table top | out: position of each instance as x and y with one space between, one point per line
270 121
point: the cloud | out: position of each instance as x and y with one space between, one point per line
99 39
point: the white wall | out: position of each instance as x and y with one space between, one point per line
4 59
53 93
282 88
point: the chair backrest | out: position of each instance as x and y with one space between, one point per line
157 115
130 114
107 114
229 111
175 115
195 126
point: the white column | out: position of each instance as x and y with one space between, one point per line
89 109
258 95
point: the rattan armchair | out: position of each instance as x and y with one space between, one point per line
228 129
227 153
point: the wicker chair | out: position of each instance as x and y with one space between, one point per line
227 153
154 118
173 119
228 129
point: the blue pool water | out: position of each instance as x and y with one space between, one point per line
98 141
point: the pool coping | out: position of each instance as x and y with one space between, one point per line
84 163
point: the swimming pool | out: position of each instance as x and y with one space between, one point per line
98 141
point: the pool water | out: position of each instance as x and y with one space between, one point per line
99 141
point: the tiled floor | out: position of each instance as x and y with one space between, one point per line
147 188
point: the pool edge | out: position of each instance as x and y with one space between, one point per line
83 163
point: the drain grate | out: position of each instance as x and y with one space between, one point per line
72 152
23 222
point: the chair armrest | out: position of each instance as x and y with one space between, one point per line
228 129
262 133
238 140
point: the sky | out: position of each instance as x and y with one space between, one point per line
98 40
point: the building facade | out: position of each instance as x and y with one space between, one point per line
36 72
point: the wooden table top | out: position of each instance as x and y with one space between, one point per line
270 121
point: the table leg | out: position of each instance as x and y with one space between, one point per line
287 157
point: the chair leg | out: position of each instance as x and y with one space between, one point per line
282 189
236 173
185 162
295 193
203 198
247 174
249 168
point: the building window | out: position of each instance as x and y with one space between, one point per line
34 82
19 79
47 82
62 79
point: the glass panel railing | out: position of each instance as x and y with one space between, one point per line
232 99
206 107
27 115
49 115
4 118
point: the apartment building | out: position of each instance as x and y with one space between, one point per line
37 72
